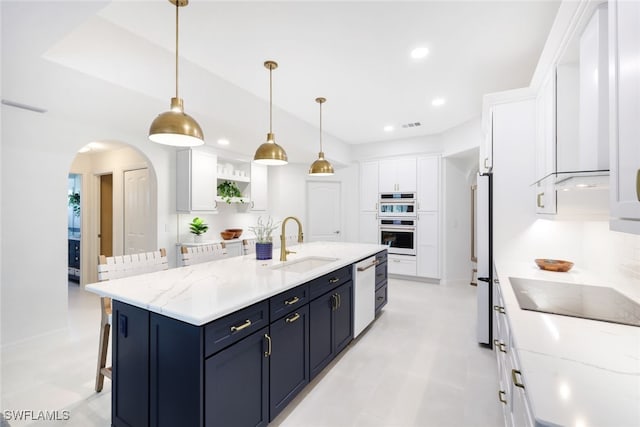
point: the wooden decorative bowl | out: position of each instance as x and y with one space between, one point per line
237 232
227 235
554 264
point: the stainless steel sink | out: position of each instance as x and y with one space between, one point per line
303 264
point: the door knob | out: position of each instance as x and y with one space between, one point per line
337 232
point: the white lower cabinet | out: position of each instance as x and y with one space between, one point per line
402 264
428 259
512 391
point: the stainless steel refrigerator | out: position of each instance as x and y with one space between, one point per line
484 254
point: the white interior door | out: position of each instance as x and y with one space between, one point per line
324 211
138 226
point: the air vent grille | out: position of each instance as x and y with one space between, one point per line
411 125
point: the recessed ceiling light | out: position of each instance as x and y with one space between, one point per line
388 128
419 52
223 141
438 102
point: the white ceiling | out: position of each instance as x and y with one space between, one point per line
356 54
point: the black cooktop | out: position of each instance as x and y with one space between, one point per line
569 299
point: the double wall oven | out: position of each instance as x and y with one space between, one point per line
397 222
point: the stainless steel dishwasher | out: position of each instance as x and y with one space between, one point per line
364 287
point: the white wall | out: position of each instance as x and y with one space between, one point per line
37 153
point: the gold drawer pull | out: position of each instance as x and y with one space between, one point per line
333 280
638 184
380 298
246 324
268 352
292 301
292 318
498 308
500 345
539 201
514 378
502 396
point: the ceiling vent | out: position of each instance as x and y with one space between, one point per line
411 125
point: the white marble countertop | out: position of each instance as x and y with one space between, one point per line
200 293
577 372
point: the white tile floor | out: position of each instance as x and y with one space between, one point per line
417 365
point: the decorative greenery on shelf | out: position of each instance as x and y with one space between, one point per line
264 229
228 190
198 226
74 202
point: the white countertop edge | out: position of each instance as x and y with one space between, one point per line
136 295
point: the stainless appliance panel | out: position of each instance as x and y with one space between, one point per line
399 235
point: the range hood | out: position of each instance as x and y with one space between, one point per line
578 180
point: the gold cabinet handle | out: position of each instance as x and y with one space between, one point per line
502 396
339 300
638 184
292 301
268 352
246 324
333 280
498 308
293 318
486 162
334 302
380 298
500 345
514 378
539 200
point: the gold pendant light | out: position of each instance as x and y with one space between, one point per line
321 167
174 127
270 153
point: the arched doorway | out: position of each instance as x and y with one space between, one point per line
129 209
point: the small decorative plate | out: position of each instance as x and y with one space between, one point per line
554 264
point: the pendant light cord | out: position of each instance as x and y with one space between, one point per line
320 127
177 8
270 100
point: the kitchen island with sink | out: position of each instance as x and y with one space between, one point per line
231 342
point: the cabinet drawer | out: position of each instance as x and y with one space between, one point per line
381 257
284 303
329 281
381 274
229 329
381 297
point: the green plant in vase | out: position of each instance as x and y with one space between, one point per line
198 228
229 190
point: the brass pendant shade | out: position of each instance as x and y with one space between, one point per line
270 153
175 127
321 167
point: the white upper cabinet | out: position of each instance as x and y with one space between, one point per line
545 141
196 180
369 187
624 83
486 144
259 187
428 183
397 175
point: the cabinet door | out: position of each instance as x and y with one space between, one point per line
428 260
368 227
343 317
259 187
369 187
387 179
428 183
130 375
237 384
486 145
196 174
320 331
289 360
406 175
624 24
